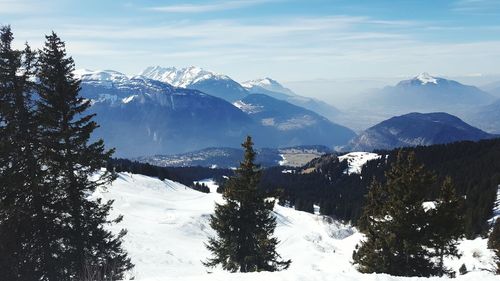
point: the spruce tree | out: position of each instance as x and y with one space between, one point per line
9 65
373 255
244 223
396 224
29 248
446 226
70 160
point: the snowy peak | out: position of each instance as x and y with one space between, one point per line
262 82
183 77
267 84
426 78
99 75
196 78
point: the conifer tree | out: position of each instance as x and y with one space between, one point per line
70 160
446 226
28 249
395 222
373 255
244 223
9 65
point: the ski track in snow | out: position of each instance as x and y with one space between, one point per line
167 225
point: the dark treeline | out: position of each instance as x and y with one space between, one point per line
201 187
473 167
338 194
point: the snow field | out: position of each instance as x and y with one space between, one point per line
167 225
356 160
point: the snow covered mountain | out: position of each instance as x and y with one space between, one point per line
224 87
429 93
295 124
192 77
422 93
274 89
142 116
167 225
267 84
415 129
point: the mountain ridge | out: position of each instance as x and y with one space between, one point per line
142 116
415 129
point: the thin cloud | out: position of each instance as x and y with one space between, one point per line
21 7
229 31
202 8
477 6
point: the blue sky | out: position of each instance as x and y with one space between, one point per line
289 40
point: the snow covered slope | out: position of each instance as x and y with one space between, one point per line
274 89
182 77
168 224
266 84
356 160
192 77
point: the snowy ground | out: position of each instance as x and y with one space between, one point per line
168 224
356 160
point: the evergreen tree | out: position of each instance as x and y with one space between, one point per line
373 255
446 226
494 243
304 205
29 248
396 224
245 224
70 161
9 65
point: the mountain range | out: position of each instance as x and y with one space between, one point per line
429 93
415 129
422 93
274 89
171 111
224 87
142 116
